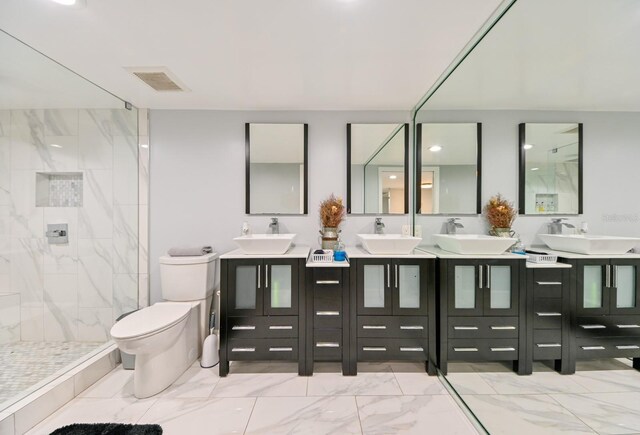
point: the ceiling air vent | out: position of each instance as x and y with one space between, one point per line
158 78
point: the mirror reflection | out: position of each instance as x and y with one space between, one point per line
376 169
276 168
447 180
550 169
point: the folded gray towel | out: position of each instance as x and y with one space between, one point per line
190 252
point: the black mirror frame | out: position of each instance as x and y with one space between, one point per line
247 152
522 171
405 126
418 171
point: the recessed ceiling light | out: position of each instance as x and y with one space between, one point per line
534 169
65 2
55 145
392 177
527 146
427 185
435 148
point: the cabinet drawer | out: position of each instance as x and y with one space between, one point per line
483 327
501 349
375 349
393 326
327 317
547 344
327 344
608 326
262 349
327 298
547 313
547 283
263 327
327 277
607 347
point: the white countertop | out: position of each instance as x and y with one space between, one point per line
295 251
328 264
360 252
531 265
441 253
574 256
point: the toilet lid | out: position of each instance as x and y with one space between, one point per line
149 320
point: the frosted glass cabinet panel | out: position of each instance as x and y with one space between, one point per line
409 286
246 287
374 286
465 287
500 286
280 286
592 287
625 280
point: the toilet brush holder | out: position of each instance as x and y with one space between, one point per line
209 352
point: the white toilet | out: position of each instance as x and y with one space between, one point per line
166 338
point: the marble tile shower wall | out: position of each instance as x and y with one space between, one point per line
70 292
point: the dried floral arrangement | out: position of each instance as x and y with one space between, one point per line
499 212
332 212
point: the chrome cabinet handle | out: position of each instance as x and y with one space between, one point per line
411 349
548 314
243 349
388 276
280 349
627 347
615 276
608 275
465 349
549 345
374 349
465 328
327 344
396 276
327 313
548 283
259 276
500 328
592 347
280 327
266 276
243 328
628 326
503 349
593 327
412 327
327 281
374 327
488 277
480 276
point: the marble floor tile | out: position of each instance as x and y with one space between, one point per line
90 410
604 364
374 367
304 415
537 383
260 384
419 384
524 415
412 415
117 383
200 416
608 381
606 413
365 384
469 383
196 382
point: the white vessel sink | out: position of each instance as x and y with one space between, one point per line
473 244
265 243
589 244
389 243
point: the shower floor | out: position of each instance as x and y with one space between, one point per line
24 364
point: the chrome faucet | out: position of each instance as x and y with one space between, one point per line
555 226
378 226
275 226
452 225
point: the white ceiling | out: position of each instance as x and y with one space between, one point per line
256 54
366 139
459 142
552 55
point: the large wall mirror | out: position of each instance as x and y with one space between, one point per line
377 168
550 168
276 168
448 175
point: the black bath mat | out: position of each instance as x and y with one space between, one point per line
109 429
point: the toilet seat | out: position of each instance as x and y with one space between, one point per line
150 320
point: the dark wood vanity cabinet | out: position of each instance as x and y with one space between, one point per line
549 316
393 304
260 317
606 308
482 311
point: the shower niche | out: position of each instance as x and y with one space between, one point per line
58 189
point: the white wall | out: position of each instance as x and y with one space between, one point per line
197 177
611 168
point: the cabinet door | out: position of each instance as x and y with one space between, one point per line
625 289
374 287
592 291
245 297
501 288
464 289
409 287
280 287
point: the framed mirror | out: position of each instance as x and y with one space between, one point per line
377 168
550 179
449 169
276 168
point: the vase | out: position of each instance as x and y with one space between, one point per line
329 237
502 232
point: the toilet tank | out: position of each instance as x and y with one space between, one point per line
187 278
